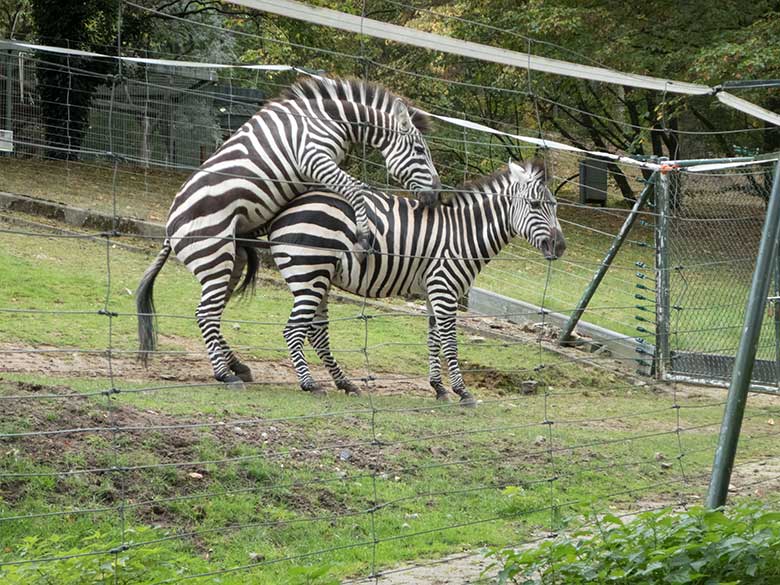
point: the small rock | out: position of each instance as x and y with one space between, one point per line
264 435
256 557
666 465
540 440
771 422
476 339
732 487
412 516
659 456
405 525
345 454
195 475
529 387
128 292
236 326
238 430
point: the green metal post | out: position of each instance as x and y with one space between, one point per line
746 354
776 311
662 295
565 337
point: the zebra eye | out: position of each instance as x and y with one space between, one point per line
535 204
419 150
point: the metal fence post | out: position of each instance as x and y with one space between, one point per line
662 304
565 338
746 354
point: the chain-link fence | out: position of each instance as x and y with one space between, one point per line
158 115
714 228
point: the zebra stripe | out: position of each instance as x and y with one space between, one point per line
290 144
435 252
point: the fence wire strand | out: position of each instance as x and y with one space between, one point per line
378 472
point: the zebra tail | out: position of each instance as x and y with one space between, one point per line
247 286
147 320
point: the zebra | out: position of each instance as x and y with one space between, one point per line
291 143
437 252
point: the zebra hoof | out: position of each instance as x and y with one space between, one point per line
468 401
314 388
242 371
442 396
233 382
348 387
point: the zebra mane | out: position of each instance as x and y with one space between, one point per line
353 90
535 168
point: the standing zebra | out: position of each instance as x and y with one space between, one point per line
434 251
290 144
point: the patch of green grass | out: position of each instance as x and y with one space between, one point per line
303 474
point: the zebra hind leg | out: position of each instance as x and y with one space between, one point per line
295 334
209 315
319 338
234 363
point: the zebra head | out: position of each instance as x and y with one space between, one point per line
533 209
407 155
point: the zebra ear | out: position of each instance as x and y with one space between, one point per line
518 172
401 113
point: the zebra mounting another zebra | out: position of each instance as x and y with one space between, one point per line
434 251
291 144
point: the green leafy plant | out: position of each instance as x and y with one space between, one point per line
76 564
740 545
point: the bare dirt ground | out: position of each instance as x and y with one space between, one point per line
190 367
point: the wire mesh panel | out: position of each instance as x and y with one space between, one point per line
714 231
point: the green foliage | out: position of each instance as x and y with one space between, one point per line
696 547
145 564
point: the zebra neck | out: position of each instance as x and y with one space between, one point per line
366 125
482 218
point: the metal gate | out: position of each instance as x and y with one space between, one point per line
713 228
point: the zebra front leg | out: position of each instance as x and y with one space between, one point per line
434 358
325 170
445 312
319 338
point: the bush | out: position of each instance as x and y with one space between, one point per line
740 545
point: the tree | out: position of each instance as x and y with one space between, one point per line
88 25
14 18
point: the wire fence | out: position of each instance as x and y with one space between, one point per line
718 217
113 473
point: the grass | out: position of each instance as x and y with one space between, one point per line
287 486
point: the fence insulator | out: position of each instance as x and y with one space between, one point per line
645 287
640 264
